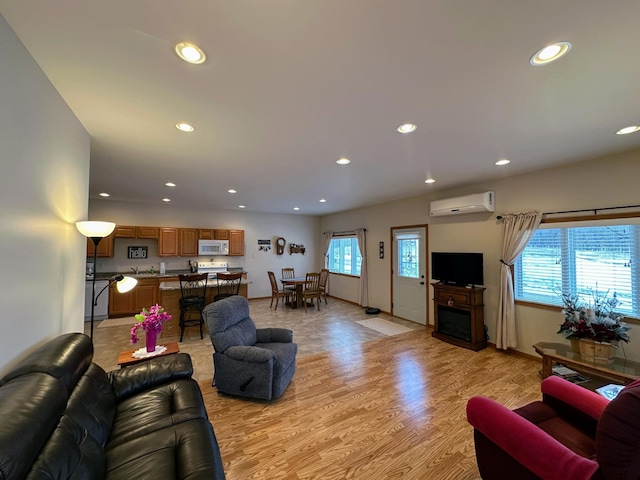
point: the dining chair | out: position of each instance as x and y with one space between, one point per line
311 289
228 285
322 283
289 272
193 289
276 292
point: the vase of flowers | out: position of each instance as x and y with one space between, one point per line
594 325
150 320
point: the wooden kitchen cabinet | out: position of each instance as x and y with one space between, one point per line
188 242
221 234
124 231
205 234
105 247
147 232
168 241
144 295
236 243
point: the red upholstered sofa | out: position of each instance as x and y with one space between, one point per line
573 433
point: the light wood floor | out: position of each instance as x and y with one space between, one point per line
361 405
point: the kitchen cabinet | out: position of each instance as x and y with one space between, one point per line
147 232
205 234
221 234
168 240
105 247
144 295
236 243
123 231
188 242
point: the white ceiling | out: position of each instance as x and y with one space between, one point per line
290 86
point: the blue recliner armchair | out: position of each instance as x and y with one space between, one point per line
248 361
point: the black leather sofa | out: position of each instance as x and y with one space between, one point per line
64 417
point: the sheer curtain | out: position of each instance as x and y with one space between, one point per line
364 280
518 230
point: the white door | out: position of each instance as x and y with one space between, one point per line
409 274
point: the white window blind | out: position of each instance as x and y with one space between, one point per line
581 259
344 256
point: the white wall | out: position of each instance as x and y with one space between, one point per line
603 182
44 152
298 229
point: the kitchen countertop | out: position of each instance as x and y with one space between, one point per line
168 274
176 285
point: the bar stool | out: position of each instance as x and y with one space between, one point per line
193 289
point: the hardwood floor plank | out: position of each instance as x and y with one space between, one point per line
361 405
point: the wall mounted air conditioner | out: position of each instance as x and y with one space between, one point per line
474 203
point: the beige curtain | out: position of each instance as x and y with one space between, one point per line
327 236
518 230
364 280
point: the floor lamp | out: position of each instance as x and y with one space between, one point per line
96 231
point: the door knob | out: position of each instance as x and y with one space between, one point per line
421 283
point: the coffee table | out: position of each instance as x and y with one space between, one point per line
621 370
126 358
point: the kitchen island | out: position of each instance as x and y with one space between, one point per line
169 298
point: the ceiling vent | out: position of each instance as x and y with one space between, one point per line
474 203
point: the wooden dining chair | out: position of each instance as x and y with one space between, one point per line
276 292
322 283
311 289
289 272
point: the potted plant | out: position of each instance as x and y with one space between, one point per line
594 325
150 320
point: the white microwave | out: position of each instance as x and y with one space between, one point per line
213 247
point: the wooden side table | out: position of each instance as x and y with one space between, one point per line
126 358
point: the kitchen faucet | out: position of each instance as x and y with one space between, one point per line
134 270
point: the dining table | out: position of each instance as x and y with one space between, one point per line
297 282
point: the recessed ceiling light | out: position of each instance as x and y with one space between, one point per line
429 180
185 127
503 161
296 208
550 53
170 184
241 206
190 53
166 199
231 190
104 194
322 200
627 130
343 161
406 128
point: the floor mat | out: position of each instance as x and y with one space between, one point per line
384 326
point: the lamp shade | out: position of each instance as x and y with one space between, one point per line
95 228
126 284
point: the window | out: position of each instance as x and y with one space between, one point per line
408 260
344 256
581 260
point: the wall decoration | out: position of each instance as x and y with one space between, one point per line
280 243
381 250
137 252
264 245
293 248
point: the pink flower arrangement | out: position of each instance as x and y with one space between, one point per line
150 320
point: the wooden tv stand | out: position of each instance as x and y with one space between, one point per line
459 315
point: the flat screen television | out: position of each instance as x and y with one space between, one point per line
457 268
